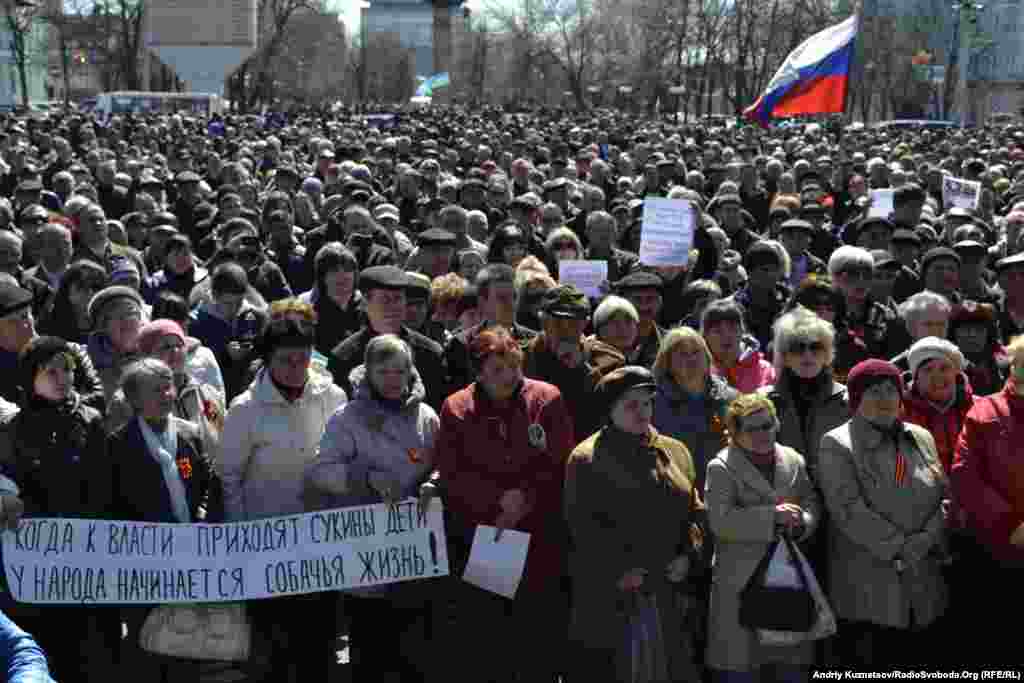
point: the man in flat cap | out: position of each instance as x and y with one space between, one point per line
385 290
559 355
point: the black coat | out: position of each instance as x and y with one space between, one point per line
58 457
139 491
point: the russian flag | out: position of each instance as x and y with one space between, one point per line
813 79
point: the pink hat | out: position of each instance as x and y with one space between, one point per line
151 333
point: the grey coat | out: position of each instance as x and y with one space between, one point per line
872 522
364 435
741 512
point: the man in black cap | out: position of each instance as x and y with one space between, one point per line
1010 273
764 296
384 289
643 288
187 204
498 303
795 235
728 211
559 355
17 329
973 273
940 273
907 204
823 242
434 251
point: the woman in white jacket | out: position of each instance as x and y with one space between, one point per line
271 434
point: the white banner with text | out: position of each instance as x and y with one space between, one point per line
112 562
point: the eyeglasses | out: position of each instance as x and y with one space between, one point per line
855 274
801 347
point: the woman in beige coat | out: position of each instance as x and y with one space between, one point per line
755 490
886 494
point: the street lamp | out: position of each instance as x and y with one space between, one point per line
678 91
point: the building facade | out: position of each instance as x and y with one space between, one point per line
421 26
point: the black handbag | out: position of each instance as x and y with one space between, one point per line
778 608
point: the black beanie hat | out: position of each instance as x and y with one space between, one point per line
38 353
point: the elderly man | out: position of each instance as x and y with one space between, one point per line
53 249
498 303
560 357
94 242
601 234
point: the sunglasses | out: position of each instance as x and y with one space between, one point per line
862 274
801 347
757 427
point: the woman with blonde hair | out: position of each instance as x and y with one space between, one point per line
756 489
690 403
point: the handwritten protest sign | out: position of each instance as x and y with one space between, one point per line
108 562
587 276
960 192
666 233
881 203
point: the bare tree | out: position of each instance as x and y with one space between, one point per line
68 30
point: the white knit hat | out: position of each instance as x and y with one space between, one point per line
612 306
929 348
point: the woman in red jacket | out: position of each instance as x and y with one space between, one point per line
501 454
988 482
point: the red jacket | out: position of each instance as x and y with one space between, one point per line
945 426
484 449
988 473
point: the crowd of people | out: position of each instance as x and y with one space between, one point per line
229 321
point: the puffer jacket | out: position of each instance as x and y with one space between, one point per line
944 425
751 372
367 435
267 443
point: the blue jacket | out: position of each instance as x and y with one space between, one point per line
20 656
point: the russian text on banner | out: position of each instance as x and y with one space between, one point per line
112 562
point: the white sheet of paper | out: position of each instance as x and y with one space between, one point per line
497 566
666 233
587 276
960 192
881 203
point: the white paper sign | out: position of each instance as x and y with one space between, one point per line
109 562
497 566
881 203
587 276
960 193
666 233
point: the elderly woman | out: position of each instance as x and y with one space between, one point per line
377 448
808 400
989 488
939 395
616 324
736 358
270 436
886 494
54 449
756 489
619 482
117 315
161 473
501 452
197 401
926 314
690 403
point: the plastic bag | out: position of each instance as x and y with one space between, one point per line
825 619
782 570
642 657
